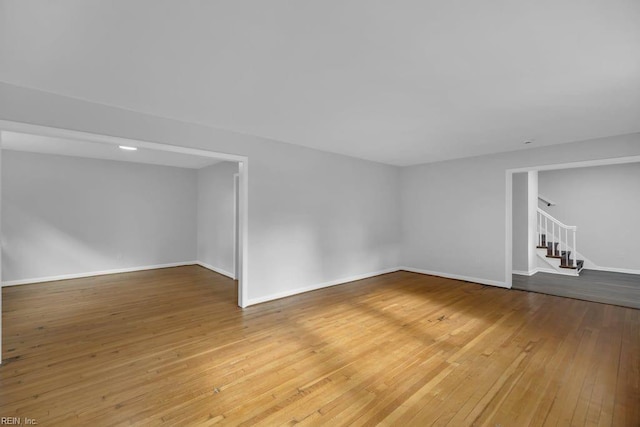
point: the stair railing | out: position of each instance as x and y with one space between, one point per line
547 226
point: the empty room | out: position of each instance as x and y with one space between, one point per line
325 213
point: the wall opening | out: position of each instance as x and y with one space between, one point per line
509 205
242 183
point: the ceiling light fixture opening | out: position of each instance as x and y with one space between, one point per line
126 147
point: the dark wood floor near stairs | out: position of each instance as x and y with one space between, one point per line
171 347
598 286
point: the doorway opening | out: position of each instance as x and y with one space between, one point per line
509 205
239 182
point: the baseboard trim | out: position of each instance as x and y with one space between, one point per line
94 273
546 270
537 270
613 269
259 300
591 267
542 270
215 269
525 273
457 277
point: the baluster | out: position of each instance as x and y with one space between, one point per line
540 224
566 242
546 231
560 247
540 228
539 238
575 251
565 239
560 238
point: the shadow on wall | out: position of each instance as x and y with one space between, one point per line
320 254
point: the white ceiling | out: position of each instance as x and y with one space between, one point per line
400 82
94 150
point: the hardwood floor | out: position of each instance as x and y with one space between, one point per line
598 286
171 347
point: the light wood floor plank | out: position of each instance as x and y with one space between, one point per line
170 347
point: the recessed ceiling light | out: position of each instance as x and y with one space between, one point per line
125 147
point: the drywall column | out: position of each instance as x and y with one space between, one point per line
525 212
520 223
532 201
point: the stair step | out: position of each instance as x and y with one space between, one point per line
552 249
579 264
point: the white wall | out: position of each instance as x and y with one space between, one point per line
314 217
604 203
216 216
521 222
68 215
524 223
454 216
532 212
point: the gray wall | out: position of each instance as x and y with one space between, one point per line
454 216
314 217
524 222
216 216
520 222
67 215
604 203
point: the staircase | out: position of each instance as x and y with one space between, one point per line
556 243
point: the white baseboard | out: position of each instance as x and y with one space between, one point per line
613 269
591 266
253 301
94 273
545 270
537 270
217 270
525 273
458 277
